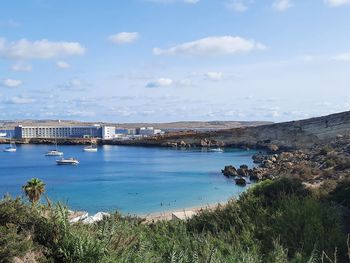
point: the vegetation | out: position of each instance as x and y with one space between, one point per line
274 221
34 189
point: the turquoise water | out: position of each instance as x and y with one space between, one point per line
136 180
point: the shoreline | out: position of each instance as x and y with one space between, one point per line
167 215
82 215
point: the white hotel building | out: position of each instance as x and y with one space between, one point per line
95 131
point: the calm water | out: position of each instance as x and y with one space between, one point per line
131 179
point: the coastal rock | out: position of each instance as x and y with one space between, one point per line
183 144
244 167
229 171
171 144
242 172
205 143
273 148
259 157
241 181
256 174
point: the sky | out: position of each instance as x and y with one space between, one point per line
174 60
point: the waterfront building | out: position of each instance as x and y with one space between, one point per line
94 131
125 131
108 132
148 131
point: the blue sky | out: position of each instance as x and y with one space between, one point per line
172 60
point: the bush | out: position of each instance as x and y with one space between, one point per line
341 194
326 149
13 243
274 221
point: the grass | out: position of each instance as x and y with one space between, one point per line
275 222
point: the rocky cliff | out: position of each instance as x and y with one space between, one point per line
287 135
294 134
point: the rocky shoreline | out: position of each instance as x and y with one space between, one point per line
316 165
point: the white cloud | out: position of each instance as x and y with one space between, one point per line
11 83
19 100
40 49
161 82
282 5
124 37
342 57
74 84
213 75
237 6
307 58
62 64
337 2
210 46
79 113
21 66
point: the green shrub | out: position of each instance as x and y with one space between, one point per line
274 221
326 149
13 242
341 194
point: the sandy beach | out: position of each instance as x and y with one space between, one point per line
167 215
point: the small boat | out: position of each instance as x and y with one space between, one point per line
11 148
219 150
69 161
90 148
54 153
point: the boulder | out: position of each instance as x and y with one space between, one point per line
230 171
205 143
256 174
258 158
273 148
240 181
244 167
268 176
242 172
182 144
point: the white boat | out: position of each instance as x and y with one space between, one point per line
217 150
90 148
54 152
69 161
11 148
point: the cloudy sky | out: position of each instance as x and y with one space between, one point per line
171 60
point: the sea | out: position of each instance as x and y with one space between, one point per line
133 180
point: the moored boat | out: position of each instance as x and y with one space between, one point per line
90 148
69 161
54 153
11 148
219 150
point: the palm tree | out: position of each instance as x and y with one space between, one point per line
34 189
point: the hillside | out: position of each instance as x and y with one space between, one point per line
294 134
180 125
